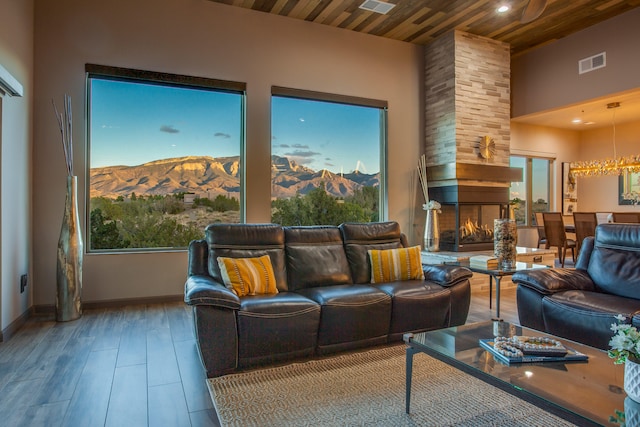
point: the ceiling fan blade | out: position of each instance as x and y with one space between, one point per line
533 10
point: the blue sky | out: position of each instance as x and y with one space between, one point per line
136 123
323 135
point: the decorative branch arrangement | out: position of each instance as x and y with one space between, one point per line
422 174
65 122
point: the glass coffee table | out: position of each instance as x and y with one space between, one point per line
585 393
495 274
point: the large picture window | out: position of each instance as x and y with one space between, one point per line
327 158
164 158
533 193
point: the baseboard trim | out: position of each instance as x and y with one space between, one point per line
13 327
50 308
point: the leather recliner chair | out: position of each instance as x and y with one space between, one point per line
581 304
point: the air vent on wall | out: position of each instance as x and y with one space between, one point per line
377 6
592 63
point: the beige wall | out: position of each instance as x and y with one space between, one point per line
600 194
548 78
16 56
540 141
201 38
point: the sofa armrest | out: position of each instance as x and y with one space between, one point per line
550 281
446 275
203 290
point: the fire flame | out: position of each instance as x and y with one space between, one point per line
470 228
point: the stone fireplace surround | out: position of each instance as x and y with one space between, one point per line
467 97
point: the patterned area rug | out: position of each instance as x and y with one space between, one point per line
368 389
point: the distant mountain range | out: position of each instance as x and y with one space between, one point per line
209 177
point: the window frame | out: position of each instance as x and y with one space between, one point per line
381 105
129 75
528 175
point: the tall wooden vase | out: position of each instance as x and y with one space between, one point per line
70 254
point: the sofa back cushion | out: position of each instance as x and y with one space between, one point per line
360 237
247 241
614 265
315 257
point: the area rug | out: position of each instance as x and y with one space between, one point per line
368 389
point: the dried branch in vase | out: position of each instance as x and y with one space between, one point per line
65 123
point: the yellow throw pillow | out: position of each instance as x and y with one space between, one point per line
248 276
390 265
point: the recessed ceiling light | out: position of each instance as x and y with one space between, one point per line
576 121
503 8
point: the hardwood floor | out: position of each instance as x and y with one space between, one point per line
129 366
479 309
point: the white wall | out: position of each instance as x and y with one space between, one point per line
16 56
202 38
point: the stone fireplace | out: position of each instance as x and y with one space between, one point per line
467 136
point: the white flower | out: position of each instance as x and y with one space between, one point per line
625 342
432 205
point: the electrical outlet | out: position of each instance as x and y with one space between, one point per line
23 282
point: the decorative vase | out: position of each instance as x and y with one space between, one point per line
69 263
432 231
632 379
631 413
505 236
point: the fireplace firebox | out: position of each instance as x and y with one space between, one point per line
466 221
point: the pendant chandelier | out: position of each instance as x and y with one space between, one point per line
611 166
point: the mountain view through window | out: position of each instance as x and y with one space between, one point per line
326 161
164 162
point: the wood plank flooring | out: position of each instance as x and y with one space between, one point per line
129 366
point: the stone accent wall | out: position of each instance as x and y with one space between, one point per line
467 96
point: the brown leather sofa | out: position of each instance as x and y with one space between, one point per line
325 301
581 304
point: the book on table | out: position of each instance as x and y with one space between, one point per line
564 354
483 261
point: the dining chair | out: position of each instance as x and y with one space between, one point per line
629 217
585 223
557 236
542 237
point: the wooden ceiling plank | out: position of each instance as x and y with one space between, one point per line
355 20
443 25
419 21
322 5
288 7
344 15
331 12
280 4
375 23
403 17
402 30
303 8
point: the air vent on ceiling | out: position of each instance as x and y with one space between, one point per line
592 63
377 6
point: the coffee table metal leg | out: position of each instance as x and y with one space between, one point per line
497 296
490 292
409 373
